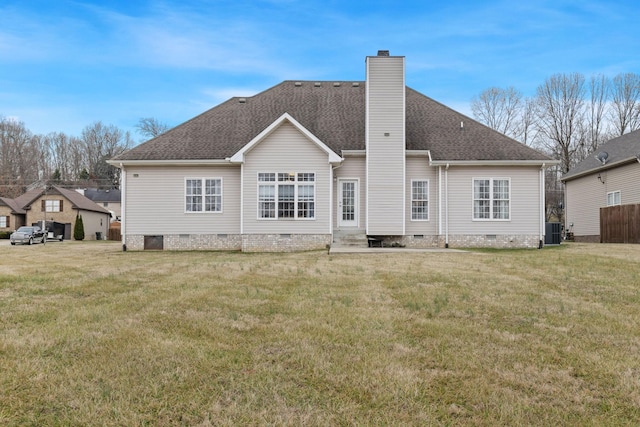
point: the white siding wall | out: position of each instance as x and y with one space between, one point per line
585 196
155 201
385 145
418 169
525 200
287 150
352 168
625 179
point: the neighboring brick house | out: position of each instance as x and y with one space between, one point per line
303 164
11 215
59 205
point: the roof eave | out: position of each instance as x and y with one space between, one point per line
494 162
604 167
175 162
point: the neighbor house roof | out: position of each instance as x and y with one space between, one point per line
335 113
11 203
621 150
78 201
96 195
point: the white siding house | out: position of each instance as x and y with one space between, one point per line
300 164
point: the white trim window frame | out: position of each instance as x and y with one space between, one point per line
286 196
3 221
614 198
203 195
491 199
419 200
52 205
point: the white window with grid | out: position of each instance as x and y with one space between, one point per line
492 199
286 195
52 205
614 198
420 200
203 195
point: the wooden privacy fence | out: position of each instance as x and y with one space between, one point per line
620 224
114 231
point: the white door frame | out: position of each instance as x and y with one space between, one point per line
356 203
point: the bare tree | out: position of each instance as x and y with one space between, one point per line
20 157
66 154
526 124
626 103
499 109
560 102
595 119
150 127
101 143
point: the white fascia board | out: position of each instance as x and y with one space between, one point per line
354 153
239 156
494 162
121 163
418 153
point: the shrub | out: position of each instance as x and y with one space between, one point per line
5 234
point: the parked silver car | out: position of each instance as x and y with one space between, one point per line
29 235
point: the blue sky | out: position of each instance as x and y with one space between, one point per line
67 63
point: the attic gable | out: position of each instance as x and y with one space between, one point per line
285 118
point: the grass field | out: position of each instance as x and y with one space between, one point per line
90 335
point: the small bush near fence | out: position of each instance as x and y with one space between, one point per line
5 234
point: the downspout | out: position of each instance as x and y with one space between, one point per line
542 206
242 201
439 200
123 207
332 179
446 206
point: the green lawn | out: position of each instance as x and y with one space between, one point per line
91 335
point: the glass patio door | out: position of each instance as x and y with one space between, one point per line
348 203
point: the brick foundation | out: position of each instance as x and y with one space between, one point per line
235 242
284 242
186 242
494 241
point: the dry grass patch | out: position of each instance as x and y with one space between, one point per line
94 336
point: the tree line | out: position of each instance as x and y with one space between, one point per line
57 158
569 117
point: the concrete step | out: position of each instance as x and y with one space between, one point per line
356 238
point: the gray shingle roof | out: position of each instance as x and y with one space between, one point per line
335 113
96 195
621 149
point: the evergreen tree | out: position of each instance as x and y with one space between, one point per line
78 229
